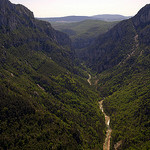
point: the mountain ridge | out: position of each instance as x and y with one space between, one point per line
121 39
104 17
23 18
143 16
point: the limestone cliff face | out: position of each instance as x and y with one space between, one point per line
13 16
19 23
143 17
5 9
142 24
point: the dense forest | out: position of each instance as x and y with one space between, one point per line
83 33
46 101
122 58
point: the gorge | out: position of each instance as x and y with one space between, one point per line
48 99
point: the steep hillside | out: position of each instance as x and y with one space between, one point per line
122 55
19 23
119 43
111 48
126 88
85 32
44 103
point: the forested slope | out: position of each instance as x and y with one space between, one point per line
125 83
85 32
45 104
119 42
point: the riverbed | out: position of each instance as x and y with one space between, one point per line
106 145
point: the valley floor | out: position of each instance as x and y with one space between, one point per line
106 145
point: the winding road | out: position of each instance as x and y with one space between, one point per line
106 145
88 80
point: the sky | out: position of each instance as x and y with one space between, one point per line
60 8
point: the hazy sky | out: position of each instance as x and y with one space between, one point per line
59 8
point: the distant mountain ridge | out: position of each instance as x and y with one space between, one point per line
104 17
111 17
66 19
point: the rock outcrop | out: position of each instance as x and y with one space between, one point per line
12 16
19 22
143 17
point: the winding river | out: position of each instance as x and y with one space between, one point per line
106 145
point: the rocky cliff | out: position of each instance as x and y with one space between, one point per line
143 17
141 22
19 22
11 16
119 43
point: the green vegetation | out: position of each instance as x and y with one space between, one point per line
41 112
45 106
122 58
46 101
126 88
84 29
84 32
